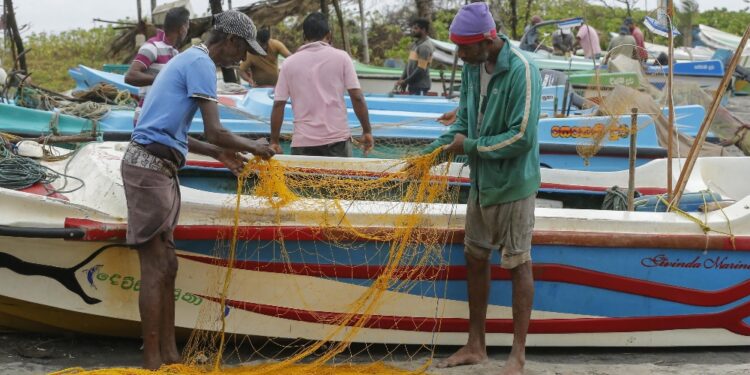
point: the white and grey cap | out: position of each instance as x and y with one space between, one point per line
238 23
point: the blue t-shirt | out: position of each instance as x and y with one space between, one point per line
170 104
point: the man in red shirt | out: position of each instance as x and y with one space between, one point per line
640 53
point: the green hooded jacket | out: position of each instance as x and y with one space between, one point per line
503 150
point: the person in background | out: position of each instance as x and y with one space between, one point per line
263 71
156 52
416 76
496 128
640 52
562 42
622 44
530 41
316 78
588 39
158 148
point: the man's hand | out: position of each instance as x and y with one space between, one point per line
367 143
234 161
276 148
262 148
448 118
457 146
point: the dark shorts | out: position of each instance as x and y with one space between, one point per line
340 149
418 91
506 226
153 201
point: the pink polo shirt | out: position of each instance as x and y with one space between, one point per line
589 41
316 77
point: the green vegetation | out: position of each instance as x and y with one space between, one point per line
51 55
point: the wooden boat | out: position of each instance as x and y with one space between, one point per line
400 132
602 278
706 74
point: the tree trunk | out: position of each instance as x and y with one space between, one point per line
324 7
528 12
153 6
10 20
342 26
140 14
365 44
514 18
424 9
229 75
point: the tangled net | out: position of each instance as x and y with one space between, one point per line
410 250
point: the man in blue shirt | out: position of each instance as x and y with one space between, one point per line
158 147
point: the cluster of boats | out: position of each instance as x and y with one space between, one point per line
603 277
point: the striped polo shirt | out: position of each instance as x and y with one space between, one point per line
154 54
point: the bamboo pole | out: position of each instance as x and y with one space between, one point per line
632 155
670 100
687 169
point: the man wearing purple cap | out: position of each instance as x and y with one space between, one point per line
496 126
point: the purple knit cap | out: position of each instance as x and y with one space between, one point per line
473 20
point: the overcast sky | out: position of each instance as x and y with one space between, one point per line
59 15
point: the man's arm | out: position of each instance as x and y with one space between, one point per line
219 136
138 76
246 70
523 120
360 109
277 119
283 51
461 123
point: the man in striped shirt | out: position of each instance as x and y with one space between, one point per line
156 52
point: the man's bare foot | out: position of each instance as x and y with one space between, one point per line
171 356
464 356
513 366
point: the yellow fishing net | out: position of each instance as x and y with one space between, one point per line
394 232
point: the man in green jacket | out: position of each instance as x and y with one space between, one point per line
496 127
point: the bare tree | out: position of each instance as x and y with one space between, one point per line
686 16
629 4
19 59
424 9
342 26
514 18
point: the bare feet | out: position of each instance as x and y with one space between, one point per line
513 366
464 356
171 358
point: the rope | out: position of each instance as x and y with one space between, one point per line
17 172
616 199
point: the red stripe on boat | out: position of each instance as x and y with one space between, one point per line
542 272
98 231
730 320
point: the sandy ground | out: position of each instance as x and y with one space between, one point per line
25 354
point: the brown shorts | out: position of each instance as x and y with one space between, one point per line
153 200
506 226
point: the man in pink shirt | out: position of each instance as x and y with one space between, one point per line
640 53
588 39
316 78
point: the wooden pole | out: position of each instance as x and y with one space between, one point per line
453 73
342 26
153 6
670 100
140 13
632 155
363 30
687 169
228 74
